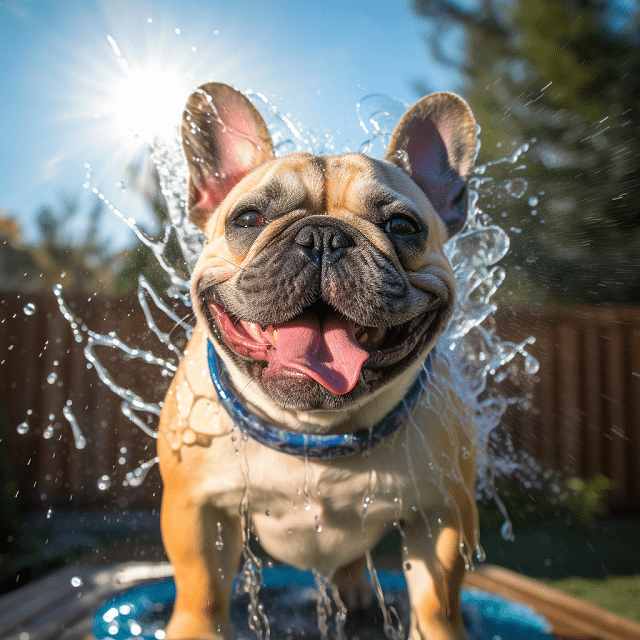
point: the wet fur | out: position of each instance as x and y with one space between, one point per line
210 473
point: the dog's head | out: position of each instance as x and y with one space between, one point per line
324 278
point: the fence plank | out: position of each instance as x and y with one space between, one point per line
614 402
633 421
593 389
545 397
568 408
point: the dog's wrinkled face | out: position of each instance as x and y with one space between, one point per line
324 277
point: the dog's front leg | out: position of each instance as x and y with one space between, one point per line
204 546
434 569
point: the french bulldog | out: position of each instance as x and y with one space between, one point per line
307 409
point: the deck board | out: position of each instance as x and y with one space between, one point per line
52 609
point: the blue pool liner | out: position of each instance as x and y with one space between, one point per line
141 612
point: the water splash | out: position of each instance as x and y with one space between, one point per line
250 579
136 477
331 611
378 115
393 631
392 625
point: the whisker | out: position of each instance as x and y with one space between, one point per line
245 386
190 316
237 266
370 425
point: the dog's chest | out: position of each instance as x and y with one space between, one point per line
324 514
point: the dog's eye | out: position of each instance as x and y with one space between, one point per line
400 226
249 219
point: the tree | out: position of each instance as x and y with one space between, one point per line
567 75
79 260
72 250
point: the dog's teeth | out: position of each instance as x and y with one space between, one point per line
254 330
362 338
271 334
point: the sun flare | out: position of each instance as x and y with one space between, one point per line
147 98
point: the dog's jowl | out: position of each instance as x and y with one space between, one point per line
309 384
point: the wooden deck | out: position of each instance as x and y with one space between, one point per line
53 609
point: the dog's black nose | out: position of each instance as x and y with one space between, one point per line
323 243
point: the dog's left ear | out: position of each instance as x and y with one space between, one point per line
224 138
439 136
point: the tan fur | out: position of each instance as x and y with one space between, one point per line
209 470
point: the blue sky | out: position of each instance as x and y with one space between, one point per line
59 72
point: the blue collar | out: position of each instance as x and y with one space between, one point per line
324 447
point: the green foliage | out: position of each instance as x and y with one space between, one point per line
575 502
566 75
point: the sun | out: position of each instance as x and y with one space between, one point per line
147 97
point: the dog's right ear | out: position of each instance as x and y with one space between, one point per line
224 138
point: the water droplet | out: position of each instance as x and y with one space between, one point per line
48 433
407 566
402 160
531 365
481 556
267 512
506 531
52 377
49 514
76 581
29 309
318 527
516 187
219 541
104 483
533 201
22 428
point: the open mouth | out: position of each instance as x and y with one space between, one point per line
320 343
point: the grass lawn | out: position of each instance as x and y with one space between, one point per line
618 594
601 566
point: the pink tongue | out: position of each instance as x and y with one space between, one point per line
329 354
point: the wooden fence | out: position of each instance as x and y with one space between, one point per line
584 419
